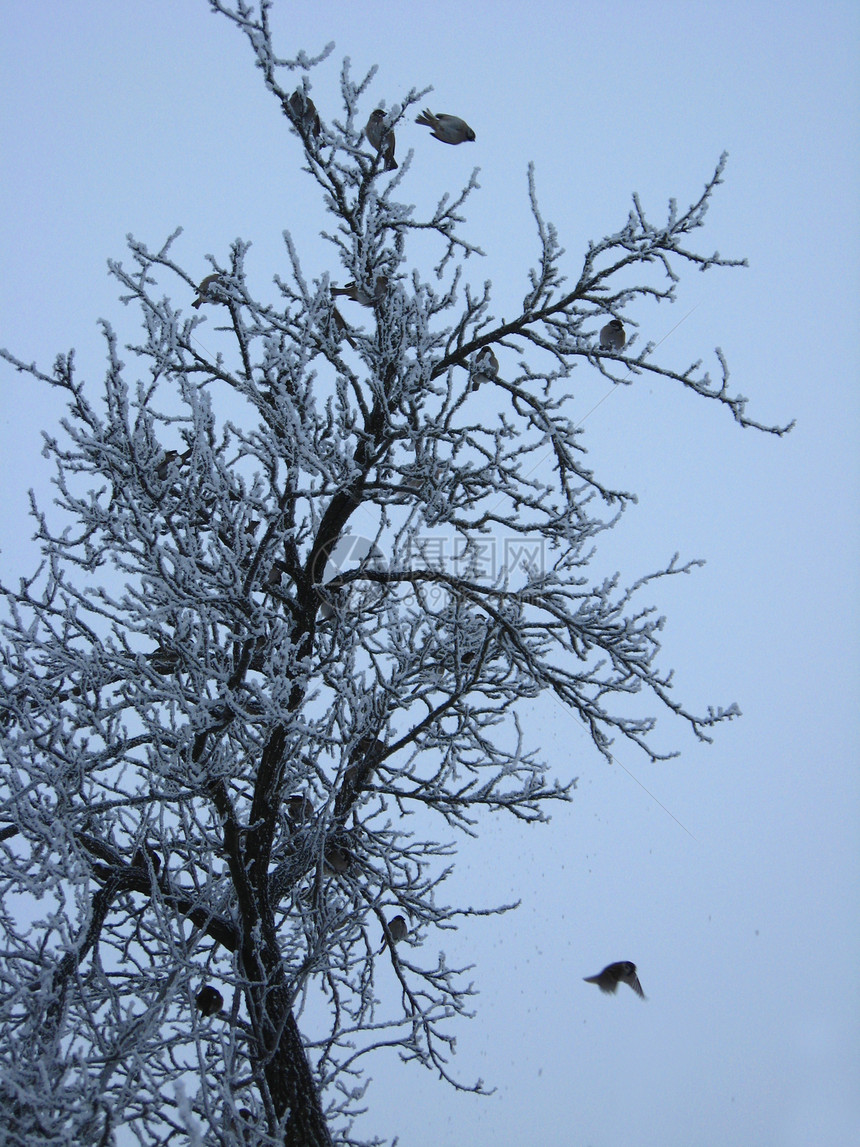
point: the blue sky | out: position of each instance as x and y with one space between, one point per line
138 118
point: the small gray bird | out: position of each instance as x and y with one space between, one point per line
485 367
612 336
299 808
359 294
203 291
447 128
381 138
623 972
326 612
398 930
305 111
367 747
338 861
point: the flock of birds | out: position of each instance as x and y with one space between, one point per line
484 368
447 129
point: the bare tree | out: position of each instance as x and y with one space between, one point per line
241 737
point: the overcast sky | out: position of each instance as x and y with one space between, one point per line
734 884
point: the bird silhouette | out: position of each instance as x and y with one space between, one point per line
622 972
209 1000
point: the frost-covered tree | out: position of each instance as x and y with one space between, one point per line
240 734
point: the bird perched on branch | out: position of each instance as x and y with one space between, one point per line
358 294
204 291
612 336
278 570
397 930
367 747
163 660
337 860
363 760
380 138
209 1000
485 367
447 128
305 112
623 972
171 456
299 809
140 857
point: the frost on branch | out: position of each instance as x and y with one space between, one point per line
269 669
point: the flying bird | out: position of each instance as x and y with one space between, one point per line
447 128
623 972
485 366
359 295
381 138
612 336
397 929
209 1000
